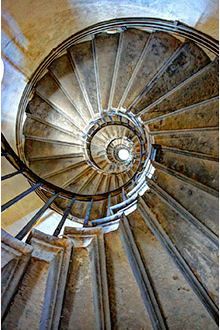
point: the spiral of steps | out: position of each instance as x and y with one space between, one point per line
91 121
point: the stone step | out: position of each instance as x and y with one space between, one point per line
41 110
123 277
87 282
72 166
198 252
50 91
205 141
125 299
15 256
106 46
130 49
201 204
83 57
159 50
197 115
199 87
201 170
31 128
64 73
173 294
48 148
187 61
45 112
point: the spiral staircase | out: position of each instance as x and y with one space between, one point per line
117 131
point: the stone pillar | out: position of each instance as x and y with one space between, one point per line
38 302
15 256
86 301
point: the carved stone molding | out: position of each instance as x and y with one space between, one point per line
14 259
87 280
38 301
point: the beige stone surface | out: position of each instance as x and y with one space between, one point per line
126 304
26 38
38 300
198 202
175 295
190 241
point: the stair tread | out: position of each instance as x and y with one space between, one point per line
159 49
188 60
197 202
189 241
46 167
39 149
83 58
42 110
201 86
106 51
63 71
192 117
171 288
133 42
207 141
41 130
48 89
123 290
204 171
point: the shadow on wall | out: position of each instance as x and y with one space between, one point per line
19 46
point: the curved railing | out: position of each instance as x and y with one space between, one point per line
32 177
39 184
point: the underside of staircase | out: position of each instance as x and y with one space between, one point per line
115 110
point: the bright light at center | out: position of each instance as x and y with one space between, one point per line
123 154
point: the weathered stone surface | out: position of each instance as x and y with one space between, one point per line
203 114
174 293
33 128
78 209
201 170
188 60
15 256
83 58
24 313
106 50
49 90
42 110
202 86
198 202
97 210
198 251
90 185
199 141
74 183
133 42
66 76
24 50
86 290
46 167
159 49
35 148
38 301
126 305
68 176
141 275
